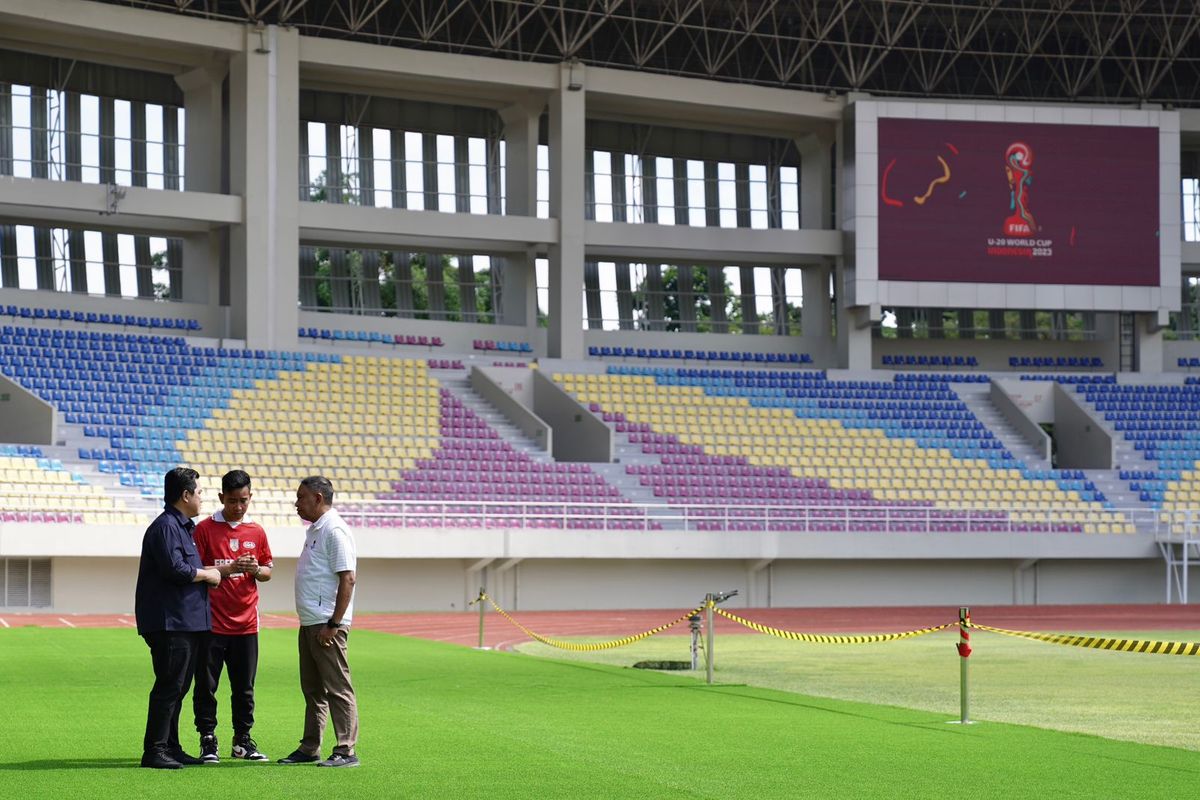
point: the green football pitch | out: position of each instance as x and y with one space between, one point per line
440 720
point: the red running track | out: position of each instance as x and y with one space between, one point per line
463 627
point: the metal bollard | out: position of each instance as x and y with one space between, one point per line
964 652
708 650
482 602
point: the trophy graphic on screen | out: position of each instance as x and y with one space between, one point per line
1018 166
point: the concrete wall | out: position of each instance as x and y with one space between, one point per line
106 584
1027 427
24 417
1082 443
507 390
578 436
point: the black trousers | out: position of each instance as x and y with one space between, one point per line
173 654
238 654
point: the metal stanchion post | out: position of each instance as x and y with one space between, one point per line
482 610
964 653
708 650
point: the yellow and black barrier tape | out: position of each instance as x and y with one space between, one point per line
822 638
588 646
1102 643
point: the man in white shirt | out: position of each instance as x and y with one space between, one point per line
325 605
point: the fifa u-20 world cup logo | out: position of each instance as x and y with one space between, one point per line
1018 166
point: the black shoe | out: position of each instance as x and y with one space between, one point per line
183 758
208 749
157 759
244 747
298 757
339 760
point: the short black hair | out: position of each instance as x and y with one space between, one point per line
321 485
178 481
234 479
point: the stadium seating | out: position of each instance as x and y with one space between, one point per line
379 427
29 484
369 337
1162 423
735 356
1056 362
125 321
845 454
910 360
488 345
899 454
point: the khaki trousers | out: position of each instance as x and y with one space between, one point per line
325 683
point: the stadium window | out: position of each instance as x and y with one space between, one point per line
543 182
789 198
664 168
1191 209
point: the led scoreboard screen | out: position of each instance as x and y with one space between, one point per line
1007 202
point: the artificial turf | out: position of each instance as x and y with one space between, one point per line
444 721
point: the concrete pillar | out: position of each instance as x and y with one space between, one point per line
39 143
462 204
567 109
77 260
399 171
653 286
6 129
203 126
816 180
684 298
110 249
402 277
76 246
264 157
515 286
741 184
9 273
815 314
716 275
1148 345
779 300
366 167
201 255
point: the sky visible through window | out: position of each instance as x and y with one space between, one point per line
89 173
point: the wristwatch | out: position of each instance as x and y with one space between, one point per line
329 623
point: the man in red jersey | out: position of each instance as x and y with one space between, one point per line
228 537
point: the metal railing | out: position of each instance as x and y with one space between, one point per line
473 514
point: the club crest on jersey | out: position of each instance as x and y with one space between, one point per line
233 545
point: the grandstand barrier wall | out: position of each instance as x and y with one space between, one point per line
1028 428
507 388
1082 443
579 436
94 567
105 584
25 418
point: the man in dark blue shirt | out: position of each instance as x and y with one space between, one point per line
171 606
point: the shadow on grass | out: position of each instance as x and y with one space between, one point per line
43 764
753 694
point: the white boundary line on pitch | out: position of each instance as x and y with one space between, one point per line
124 621
66 622
4 622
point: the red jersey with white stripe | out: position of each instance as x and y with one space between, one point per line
235 602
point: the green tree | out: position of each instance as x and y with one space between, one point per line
701 299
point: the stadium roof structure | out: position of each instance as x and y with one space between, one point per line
1095 51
